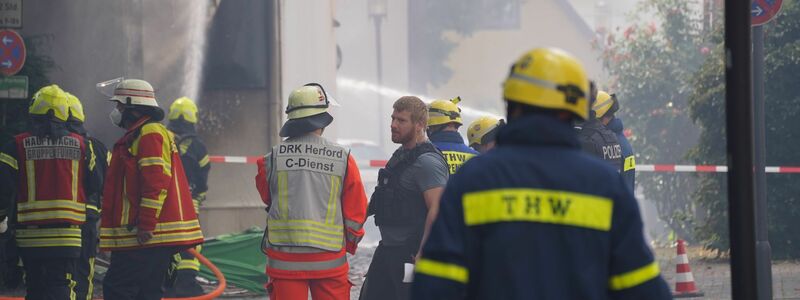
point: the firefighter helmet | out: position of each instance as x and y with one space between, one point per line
442 112
605 104
50 98
135 92
306 101
483 130
549 78
185 108
75 108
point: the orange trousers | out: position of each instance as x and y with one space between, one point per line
333 288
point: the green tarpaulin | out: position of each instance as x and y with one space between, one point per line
240 259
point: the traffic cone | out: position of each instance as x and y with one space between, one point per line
684 280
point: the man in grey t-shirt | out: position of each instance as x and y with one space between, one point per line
406 201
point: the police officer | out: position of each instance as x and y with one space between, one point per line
194 156
405 202
615 125
444 119
47 168
537 218
97 163
482 133
595 138
316 203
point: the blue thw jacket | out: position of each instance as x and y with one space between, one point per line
537 218
453 148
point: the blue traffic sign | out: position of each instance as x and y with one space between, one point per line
762 11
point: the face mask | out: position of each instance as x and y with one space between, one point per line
116 117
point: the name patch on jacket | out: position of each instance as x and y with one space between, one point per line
66 147
455 159
311 157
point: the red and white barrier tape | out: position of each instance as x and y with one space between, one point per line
640 168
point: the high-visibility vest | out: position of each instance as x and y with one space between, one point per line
51 203
51 174
305 180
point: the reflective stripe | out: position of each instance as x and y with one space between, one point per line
353 225
54 242
304 223
156 161
634 278
189 264
90 290
30 170
75 179
442 270
92 157
310 239
334 195
306 265
152 203
283 205
48 232
161 227
92 207
72 284
630 163
24 217
608 102
51 204
109 242
126 204
203 161
49 237
9 160
180 203
538 205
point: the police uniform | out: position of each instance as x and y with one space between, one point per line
629 160
536 218
599 141
452 146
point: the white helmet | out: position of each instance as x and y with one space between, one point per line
135 92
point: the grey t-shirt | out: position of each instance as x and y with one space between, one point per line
427 172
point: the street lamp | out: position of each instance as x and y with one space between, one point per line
377 11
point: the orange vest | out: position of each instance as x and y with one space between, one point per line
146 189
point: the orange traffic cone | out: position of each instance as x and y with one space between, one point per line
684 280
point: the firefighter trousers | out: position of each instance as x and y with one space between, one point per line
186 284
84 271
137 274
332 288
49 278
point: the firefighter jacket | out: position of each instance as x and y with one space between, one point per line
51 180
537 218
317 207
628 158
455 152
599 141
194 157
146 189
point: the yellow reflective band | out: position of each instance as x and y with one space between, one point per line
49 215
51 204
92 157
633 278
108 242
303 227
303 240
336 228
72 284
442 270
75 179
48 232
204 161
126 203
152 203
166 167
48 242
538 205
630 163
331 215
283 188
90 290
189 264
9 160
30 169
291 235
92 207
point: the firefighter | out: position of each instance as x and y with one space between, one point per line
444 119
537 218
316 204
47 168
148 214
614 124
194 156
595 138
482 133
405 202
89 236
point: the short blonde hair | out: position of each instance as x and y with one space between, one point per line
414 105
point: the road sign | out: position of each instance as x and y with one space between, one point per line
12 52
14 87
762 11
10 13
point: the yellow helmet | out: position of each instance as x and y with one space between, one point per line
549 78
605 104
442 112
50 98
75 107
481 128
183 107
308 100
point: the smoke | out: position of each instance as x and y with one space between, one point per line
195 51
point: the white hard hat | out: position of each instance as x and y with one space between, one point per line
135 92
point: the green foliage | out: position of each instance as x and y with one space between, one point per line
650 65
782 64
37 65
